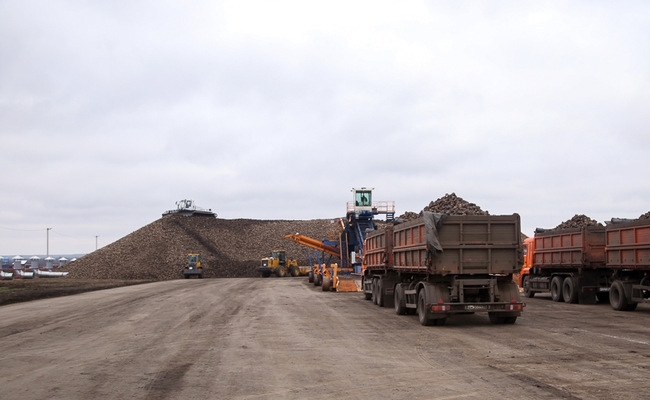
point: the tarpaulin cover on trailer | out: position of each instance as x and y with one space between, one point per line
432 222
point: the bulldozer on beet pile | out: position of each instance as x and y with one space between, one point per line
279 265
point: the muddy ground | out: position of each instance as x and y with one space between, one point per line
254 338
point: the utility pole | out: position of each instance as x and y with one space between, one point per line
48 242
96 236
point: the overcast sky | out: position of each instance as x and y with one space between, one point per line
112 111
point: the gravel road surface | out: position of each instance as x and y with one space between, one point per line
253 338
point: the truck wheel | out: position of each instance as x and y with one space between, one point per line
293 270
327 284
367 296
311 276
570 290
556 288
527 292
380 292
618 299
281 272
374 291
318 279
399 300
422 309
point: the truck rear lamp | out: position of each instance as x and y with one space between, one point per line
513 307
438 308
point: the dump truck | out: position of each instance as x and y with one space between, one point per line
591 263
193 267
280 265
440 265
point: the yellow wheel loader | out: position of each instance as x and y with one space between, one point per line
278 264
193 267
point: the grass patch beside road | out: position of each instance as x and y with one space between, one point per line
19 290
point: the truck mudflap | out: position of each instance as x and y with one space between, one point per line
640 293
450 308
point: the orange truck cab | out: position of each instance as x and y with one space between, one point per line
528 249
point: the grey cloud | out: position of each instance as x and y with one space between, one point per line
111 112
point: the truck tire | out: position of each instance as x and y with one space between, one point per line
570 290
400 300
526 284
367 296
423 315
556 288
318 279
380 292
281 272
327 284
293 270
311 276
618 298
386 299
374 291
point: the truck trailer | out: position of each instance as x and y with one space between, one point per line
439 265
583 265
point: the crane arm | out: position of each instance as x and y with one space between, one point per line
313 243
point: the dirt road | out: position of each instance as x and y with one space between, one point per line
255 338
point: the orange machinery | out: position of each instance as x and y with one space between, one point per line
328 278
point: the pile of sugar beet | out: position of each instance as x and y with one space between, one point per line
579 221
228 247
